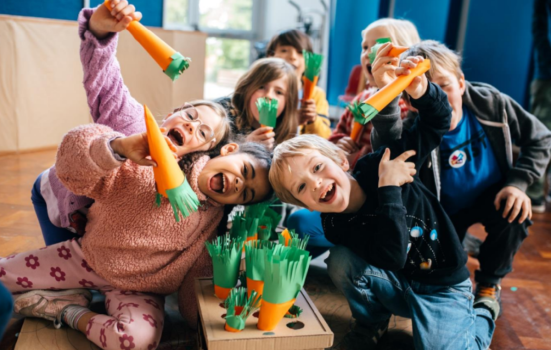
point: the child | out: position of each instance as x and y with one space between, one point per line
196 126
402 33
476 156
272 78
131 248
396 250
313 113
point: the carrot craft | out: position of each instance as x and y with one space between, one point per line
289 238
267 111
312 69
239 307
226 256
171 62
170 179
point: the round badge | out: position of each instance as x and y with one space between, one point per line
458 159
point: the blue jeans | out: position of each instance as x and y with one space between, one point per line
305 222
51 233
443 317
6 307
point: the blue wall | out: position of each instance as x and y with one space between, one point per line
429 16
69 9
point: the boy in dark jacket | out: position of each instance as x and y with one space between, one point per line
396 250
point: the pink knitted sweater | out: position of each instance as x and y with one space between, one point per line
129 241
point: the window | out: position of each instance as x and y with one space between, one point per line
231 26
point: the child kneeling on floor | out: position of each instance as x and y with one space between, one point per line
396 251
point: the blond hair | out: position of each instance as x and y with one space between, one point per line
263 72
439 55
402 32
222 134
296 147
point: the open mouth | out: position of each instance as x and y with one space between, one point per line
176 137
368 67
218 183
329 193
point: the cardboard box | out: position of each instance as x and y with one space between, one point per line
315 334
39 334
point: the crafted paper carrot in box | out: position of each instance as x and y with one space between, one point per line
170 179
226 256
312 69
284 276
171 62
289 238
267 111
255 259
239 307
374 104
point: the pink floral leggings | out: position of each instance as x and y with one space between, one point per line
133 321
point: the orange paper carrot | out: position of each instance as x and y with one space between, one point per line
374 104
172 63
395 51
312 63
170 179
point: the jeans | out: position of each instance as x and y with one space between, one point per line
51 233
443 317
305 222
6 307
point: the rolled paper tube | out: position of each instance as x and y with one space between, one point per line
356 131
394 52
397 51
271 314
308 88
257 286
230 329
171 62
221 292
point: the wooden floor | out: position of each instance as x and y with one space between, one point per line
526 319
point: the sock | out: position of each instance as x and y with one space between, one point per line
71 314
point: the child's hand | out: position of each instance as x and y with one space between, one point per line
419 85
307 112
136 148
104 21
515 202
347 145
383 67
264 135
396 172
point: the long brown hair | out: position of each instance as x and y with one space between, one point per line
263 72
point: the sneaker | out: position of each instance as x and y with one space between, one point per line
471 245
49 304
362 337
489 297
538 205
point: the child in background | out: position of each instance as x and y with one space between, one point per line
196 126
402 33
396 250
270 78
313 113
476 157
133 252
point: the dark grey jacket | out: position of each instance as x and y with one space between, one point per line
505 123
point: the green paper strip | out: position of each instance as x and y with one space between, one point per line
368 111
295 240
238 298
264 228
285 274
276 218
183 200
373 53
252 227
256 210
354 108
178 65
226 256
294 312
312 64
255 257
239 228
267 111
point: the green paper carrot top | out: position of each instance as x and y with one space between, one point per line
312 69
239 307
267 111
239 228
170 179
226 256
394 52
284 277
264 228
289 238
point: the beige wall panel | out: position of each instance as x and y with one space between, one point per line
8 85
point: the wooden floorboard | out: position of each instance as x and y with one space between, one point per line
526 294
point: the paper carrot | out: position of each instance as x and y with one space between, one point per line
255 260
394 52
239 307
264 228
226 256
238 229
267 111
252 229
171 62
312 64
289 238
170 179
294 312
374 104
275 219
284 276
